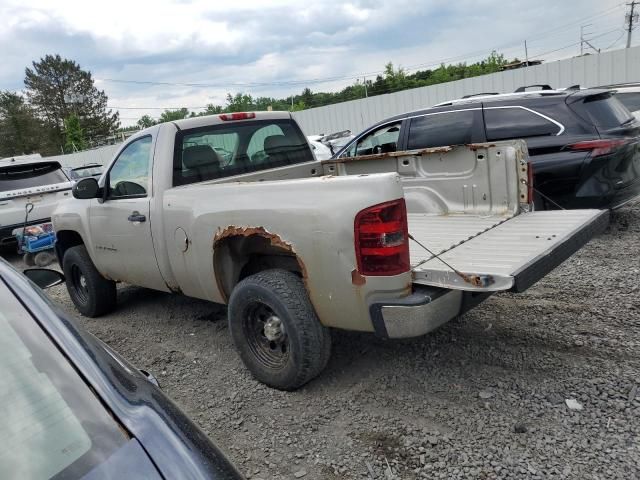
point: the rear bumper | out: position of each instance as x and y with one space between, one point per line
424 310
6 235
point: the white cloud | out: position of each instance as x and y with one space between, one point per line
253 41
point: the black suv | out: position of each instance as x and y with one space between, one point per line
584 145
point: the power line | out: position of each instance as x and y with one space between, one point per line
573 44
204 107
616 40
154 108
314 81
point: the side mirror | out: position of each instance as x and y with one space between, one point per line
44 277
86 188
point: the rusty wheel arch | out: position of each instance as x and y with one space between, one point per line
245 250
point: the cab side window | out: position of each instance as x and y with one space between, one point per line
381 140
129 175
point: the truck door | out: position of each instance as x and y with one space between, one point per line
120 223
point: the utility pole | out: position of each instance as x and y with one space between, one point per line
630 19
526 53
364 79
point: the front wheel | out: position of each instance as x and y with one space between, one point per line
91 293
276 331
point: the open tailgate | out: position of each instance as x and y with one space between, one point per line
493 253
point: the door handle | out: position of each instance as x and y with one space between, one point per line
136 216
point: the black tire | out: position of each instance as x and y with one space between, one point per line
28 259
91 293
296 353
44 259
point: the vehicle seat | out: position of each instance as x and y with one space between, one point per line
277 148
200 161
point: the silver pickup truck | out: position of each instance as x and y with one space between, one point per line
234 209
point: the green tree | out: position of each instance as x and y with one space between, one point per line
57 88
300 105
396 79
145 122
21 132
240 102
212 109
171 115
74 135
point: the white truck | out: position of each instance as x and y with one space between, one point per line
234 209
24 180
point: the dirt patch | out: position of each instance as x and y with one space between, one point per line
481 397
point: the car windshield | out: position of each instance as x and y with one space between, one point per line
52 425
84 172
17 177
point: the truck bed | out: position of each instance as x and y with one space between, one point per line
500 253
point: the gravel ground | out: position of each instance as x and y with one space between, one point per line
482 397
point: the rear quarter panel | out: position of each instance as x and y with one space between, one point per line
314 216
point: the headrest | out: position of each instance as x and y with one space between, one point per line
198 156
275 142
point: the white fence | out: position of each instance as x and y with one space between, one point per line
616 66
101 156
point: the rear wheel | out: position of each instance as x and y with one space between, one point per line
276 330
91 293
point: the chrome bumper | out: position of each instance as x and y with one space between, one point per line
421 312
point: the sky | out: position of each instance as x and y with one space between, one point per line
279 47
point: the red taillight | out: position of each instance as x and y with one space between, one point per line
382 239
600 147
237 116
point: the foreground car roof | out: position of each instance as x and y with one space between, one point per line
178 448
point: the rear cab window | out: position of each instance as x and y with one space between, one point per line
220 151
55 426
18 177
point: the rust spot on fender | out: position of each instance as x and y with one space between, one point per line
357 278
274 239
233 231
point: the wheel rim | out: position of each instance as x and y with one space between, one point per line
266 336
79 282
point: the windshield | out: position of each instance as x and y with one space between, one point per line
83 172
52 424
17 177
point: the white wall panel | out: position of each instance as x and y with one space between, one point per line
617 66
